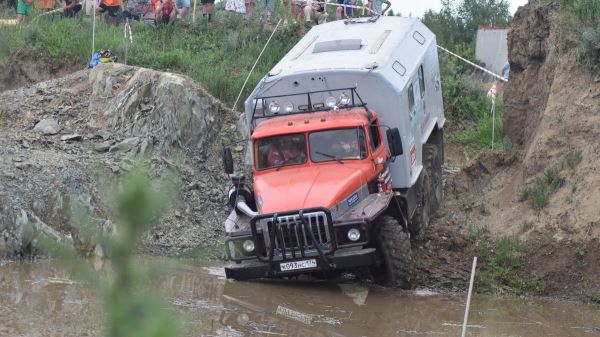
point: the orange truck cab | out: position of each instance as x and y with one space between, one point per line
344 155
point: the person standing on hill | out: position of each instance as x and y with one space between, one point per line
112 7
69 8
314 12
377 4
24 10
135 9
183 7
164 11
208 6
49 4
285 9
267 7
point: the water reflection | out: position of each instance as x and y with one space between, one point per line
42 299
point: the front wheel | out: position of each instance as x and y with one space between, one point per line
398 264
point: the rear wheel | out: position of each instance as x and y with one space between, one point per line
398 264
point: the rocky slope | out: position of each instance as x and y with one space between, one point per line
64 142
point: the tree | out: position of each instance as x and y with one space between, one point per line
475 13
458 23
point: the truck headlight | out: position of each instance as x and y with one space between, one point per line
353 234
344 99
288 107
330 102
248 245
274 107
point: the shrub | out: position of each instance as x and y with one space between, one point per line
596 298
573 159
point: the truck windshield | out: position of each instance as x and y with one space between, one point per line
337 145
280 151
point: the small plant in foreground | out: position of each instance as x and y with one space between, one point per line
596 297
580 251
526 226
132 308
573 159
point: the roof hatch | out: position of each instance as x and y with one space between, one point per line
335 45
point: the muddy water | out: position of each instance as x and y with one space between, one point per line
42 299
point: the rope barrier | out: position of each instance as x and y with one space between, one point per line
347 6
255 63
473 64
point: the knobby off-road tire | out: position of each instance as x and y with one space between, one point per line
398 264
430 194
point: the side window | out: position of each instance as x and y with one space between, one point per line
422 81
374 134
411 99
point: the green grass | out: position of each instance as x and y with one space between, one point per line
596 298
480 136
551 180
498 270
219 54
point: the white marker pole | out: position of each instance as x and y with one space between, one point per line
493 122
464 328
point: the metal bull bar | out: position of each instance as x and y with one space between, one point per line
281 227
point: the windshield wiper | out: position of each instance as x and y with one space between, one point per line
330 156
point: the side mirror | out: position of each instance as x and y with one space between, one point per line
227 160
394 141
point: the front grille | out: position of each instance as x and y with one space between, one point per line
292 238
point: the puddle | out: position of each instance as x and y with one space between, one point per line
43 299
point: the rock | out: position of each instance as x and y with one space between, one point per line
239 148
71 137
194 185
98 252
102 147
125 145
47 127
24 230
22 166
103 134
145 147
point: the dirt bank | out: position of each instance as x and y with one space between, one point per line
97 124
542 190
28 66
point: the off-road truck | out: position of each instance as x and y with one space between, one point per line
345 152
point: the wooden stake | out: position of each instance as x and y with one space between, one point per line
194 11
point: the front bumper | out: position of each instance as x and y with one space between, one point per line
340 260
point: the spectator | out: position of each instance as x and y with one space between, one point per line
164 11
24 10
69 8
376 6
250 4
315 13
300 5
135 9
183 7
285 11
343 9
49 4
208 6
366 6
111 7
506 71
237 6
267 10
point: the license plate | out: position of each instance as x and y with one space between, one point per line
295 265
